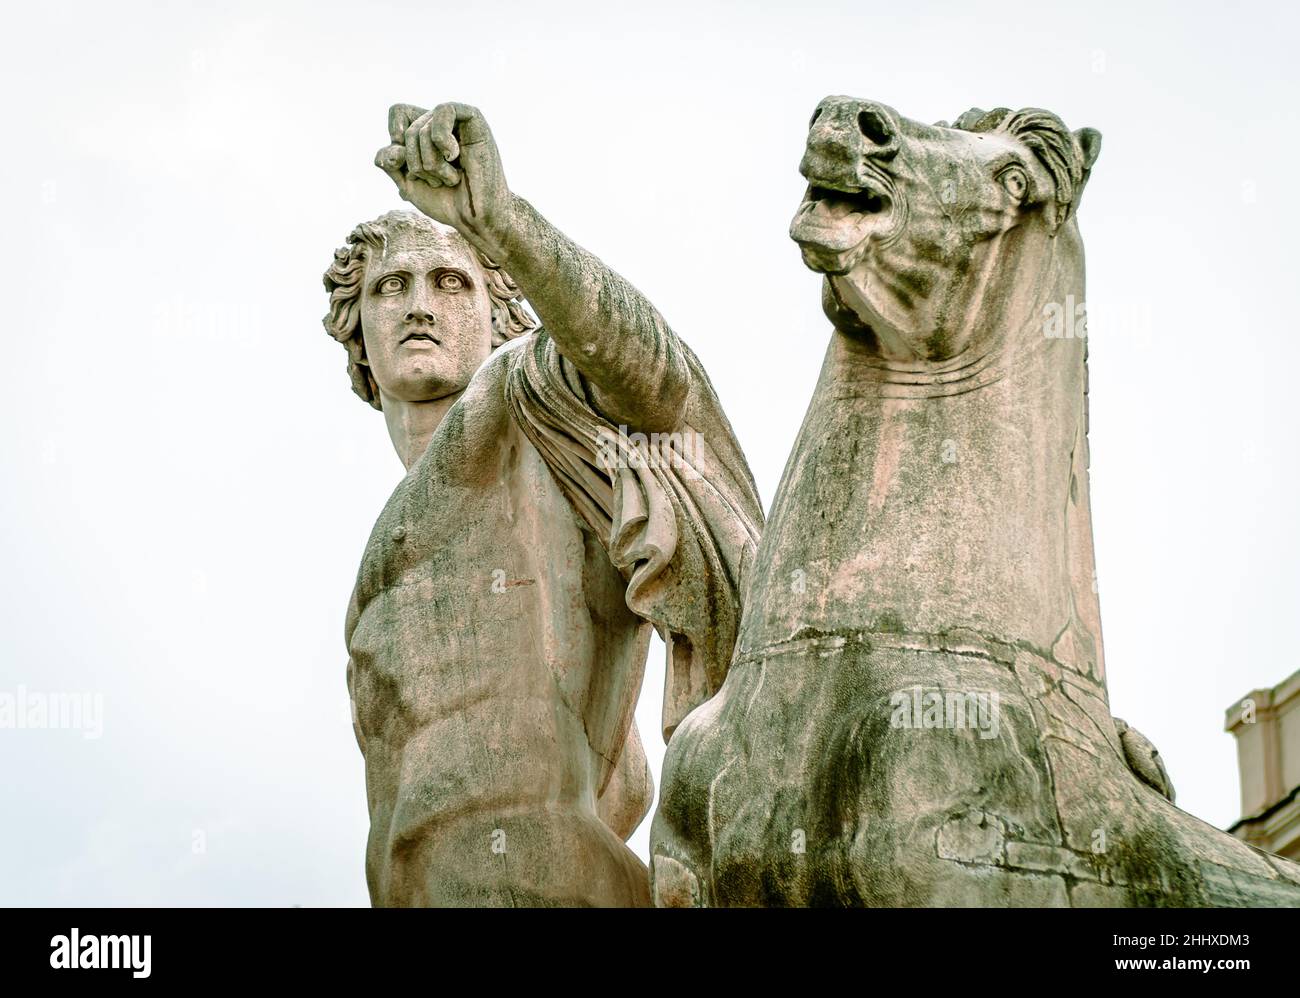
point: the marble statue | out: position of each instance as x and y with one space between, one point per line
569 487
916 713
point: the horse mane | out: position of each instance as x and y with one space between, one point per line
1057 148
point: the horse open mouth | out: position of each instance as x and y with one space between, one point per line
833 224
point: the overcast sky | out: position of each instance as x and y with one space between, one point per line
188 481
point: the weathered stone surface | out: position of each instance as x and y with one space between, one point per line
499 625
928 560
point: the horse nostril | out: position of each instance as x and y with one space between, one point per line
875 127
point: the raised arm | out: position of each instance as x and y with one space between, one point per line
446 163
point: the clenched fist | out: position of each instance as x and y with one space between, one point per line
446 163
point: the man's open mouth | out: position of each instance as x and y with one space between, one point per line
833 224
421 336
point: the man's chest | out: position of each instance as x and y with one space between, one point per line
482 580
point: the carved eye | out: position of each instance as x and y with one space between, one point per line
1014 180
390 285
450 282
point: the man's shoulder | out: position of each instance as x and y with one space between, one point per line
495 370
486 382
511 350
482 418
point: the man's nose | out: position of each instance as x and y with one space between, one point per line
420 302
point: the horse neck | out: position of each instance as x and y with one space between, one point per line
942 506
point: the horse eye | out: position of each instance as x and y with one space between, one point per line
1015 182
451 282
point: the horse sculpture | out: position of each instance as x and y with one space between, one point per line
917 712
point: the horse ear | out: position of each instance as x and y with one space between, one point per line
1090 142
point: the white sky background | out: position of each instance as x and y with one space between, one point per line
188 481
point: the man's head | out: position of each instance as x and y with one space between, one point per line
417 308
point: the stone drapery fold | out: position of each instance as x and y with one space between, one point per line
678 513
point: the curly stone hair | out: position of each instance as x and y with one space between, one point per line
343 281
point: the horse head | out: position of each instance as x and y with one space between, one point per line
937 240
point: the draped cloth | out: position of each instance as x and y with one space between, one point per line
679 516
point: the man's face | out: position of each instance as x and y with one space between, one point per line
425 315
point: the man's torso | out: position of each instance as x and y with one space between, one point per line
481 611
